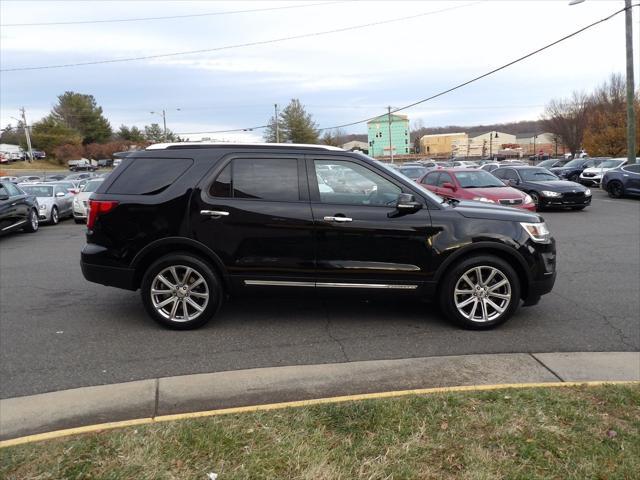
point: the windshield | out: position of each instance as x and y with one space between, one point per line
91 185
477 179
576 162
547 163
537 175
611 163
38 191
413 172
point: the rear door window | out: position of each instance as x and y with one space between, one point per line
147 176
444 178
431 179
274 179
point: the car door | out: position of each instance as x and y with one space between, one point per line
631 178
7 208
15 209
430 181
63 201
361 239
254 213
440 189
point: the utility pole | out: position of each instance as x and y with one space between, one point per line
275 106
164 124
26 133
631 114
389 124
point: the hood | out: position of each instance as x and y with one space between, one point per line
600 170
496 192
559 185
45 200
489 211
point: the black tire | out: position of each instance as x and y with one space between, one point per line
455 274
55 217
32 222
574 178
78 220
536 198
615 189
181 261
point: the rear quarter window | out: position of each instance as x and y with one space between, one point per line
147 176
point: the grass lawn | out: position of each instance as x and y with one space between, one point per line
564 433
35 165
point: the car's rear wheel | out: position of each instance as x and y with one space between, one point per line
480 292
54 215
615 189
180 291
32 222
574 178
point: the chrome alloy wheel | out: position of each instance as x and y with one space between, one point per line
34 220
482 294
179 293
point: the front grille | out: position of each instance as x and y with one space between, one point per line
573 195
510 201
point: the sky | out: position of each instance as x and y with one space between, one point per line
340 77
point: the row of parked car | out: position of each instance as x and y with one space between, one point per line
611 174
27 201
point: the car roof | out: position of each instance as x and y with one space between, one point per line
181 145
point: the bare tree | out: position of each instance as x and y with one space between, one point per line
568 119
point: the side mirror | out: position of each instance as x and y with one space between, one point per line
4 196
448 185
60 194
406 203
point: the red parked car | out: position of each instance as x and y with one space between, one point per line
475 184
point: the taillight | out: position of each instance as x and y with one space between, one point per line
97 208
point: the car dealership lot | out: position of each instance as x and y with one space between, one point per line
58 331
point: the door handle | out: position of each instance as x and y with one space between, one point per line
338 219
214 213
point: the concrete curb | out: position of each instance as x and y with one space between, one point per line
149 399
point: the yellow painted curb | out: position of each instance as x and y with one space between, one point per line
295 404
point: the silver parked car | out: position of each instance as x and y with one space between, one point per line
54 201
81 200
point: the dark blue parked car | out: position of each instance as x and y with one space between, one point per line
624 180
572 170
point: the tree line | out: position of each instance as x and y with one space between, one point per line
596 121
76 127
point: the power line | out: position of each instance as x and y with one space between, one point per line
171 17
242 45
248 129
479 77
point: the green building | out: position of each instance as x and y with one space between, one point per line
378 132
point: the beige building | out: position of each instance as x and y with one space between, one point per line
483 145
440 144
545 143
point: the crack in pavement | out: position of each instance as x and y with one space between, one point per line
623 337
328 330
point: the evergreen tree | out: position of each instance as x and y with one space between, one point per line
133 134
81 113
295 124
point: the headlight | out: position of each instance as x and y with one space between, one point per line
43 207
537 231
483 199
528 199
547 193
587 192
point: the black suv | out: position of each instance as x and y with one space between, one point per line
189 224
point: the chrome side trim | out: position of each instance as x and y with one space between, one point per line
278 283
366 285
14 225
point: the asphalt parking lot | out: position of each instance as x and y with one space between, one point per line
58 331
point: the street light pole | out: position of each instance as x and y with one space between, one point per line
389 125
631 113
275 105
164 122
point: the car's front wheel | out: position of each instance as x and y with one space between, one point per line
55 218
480 292
32 222
536 198
181 291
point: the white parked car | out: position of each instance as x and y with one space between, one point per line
81 200
593 175
54 201
464 164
